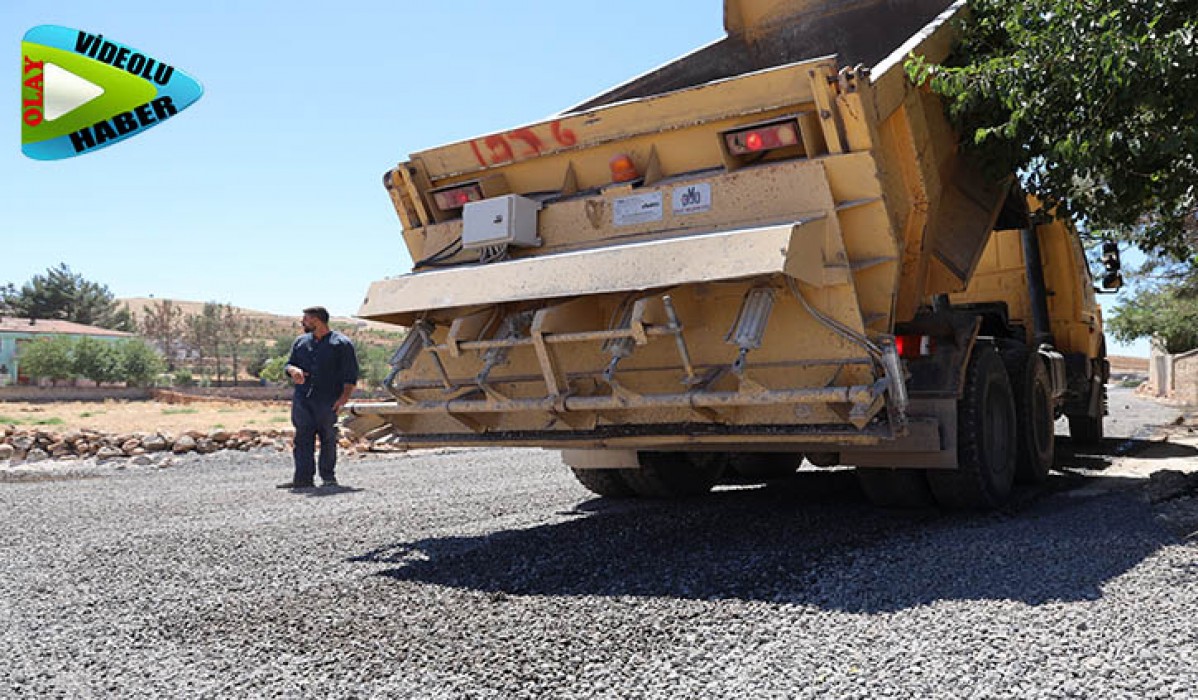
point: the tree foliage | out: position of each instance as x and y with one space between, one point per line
1158 312
60 294
131 361
218 333
162 324
48 358
1092 102
1163 304
138 364
97 360
373 363
256 355
272 369
200 334
237 329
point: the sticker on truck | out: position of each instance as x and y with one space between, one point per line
637 209
692 199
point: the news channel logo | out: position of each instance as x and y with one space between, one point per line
82 92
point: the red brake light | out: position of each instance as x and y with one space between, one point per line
912 347
457 197
762 138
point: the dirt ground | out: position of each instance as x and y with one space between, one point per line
145 416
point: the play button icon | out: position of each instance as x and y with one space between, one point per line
82 92
66 92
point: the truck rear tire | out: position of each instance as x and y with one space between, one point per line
986 433
823 459
895 488
676 474
764 466
1036 443
1085 430
609 483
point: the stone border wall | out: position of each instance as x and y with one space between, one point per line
1173 377
18 445
50 394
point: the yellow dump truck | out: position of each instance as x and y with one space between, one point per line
767 249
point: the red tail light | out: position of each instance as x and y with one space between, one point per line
762 138
912 347
457 197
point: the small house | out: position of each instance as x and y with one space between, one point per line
16 332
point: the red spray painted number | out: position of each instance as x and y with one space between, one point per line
562 135
525 143
501 150
529 139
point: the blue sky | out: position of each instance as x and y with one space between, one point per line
267 192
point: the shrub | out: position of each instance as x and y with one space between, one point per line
139 363
48 358
97 360
272 369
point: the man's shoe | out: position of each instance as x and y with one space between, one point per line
328 483
296 485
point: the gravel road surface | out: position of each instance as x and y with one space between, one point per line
492 574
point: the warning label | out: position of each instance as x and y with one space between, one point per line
637 209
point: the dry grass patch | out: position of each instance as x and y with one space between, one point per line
144 416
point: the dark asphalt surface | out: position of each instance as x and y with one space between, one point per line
492 574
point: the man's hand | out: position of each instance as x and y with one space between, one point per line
296 374
346 392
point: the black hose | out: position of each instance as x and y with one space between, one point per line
441 254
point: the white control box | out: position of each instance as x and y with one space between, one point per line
509 219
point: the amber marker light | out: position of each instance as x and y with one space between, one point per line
623 169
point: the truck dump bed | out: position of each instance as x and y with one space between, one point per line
767 34
711 256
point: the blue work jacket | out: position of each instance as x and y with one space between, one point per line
329 364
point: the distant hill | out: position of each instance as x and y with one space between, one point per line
275 322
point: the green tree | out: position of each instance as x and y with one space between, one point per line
182 377
48 358
138 362
64 295
1092 102
212 322
236 328
266 360
162 323
272 370
203 334
97 360
372 364
1162 303
1161 312
256 355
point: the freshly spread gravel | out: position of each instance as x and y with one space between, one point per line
491 574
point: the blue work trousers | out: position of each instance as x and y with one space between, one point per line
312 419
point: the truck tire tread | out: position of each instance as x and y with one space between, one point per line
986 430
608 483
1032 393
676 474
